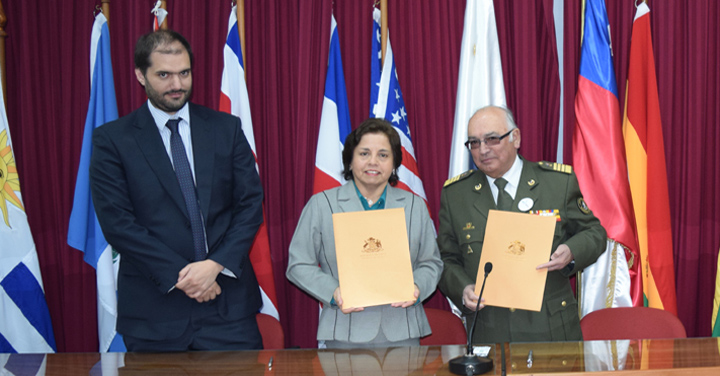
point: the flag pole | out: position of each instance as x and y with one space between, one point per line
241 31
163 5
383 28
106 10
3 35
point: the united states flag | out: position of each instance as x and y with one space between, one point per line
386 101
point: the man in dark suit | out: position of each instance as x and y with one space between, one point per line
540 188
177 196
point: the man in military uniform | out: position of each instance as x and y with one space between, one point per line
540 188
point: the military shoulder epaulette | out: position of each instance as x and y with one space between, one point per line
457 178
559 167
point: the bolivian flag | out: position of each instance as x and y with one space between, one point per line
646 168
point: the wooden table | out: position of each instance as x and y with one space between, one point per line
695 356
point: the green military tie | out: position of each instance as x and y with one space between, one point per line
504 201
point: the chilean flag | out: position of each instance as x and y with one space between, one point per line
601 168
386 102
334 121
234 100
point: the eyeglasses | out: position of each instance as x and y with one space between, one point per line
475 143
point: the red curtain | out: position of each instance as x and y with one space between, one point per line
287 45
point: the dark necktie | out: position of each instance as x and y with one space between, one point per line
504 201
187 186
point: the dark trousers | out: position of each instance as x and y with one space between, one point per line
205 332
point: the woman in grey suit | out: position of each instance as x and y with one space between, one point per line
371 157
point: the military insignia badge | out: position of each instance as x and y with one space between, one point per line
582 205
469 226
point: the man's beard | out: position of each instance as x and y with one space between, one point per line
161 102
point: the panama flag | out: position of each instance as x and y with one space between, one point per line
25 325
234 100
599 159
334 121
646 167
84 232
386 101
159 15
480 77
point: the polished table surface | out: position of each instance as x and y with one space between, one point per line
696 356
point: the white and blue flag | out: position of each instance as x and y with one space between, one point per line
84 232
25 325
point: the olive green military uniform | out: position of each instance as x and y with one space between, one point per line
465 202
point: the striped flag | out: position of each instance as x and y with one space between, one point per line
84 233
646 168
599 159
25 325
334 121
159 15
716 303
386 101
234 100
480 77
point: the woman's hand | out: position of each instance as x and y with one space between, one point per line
338 300
409 302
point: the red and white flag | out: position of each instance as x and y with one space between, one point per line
159 15
234 100
334 121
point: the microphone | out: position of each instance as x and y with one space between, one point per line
470 364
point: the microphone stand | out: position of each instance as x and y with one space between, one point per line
471 364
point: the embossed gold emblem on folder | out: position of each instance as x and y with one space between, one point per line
373 257
516 243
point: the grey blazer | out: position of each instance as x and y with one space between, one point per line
313 244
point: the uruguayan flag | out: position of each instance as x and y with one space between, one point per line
25 325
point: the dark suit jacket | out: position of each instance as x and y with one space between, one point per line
468 200
142 213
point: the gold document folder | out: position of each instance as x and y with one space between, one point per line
373 257
515 243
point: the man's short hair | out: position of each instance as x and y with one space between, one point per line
151 42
